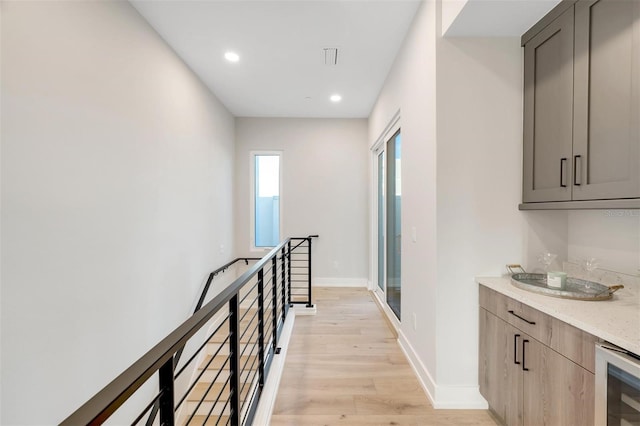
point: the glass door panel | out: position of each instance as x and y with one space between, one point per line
381 222
623 397
393 225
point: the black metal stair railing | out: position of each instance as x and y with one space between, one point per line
300 272
245 321
176 359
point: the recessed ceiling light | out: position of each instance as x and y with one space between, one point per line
335 98
232 56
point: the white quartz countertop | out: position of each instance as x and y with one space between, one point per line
616 321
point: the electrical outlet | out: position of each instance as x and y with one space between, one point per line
414 234
221 248
415 322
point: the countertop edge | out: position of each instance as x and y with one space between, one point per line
503 285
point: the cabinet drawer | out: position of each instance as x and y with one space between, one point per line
567 340
533 322
525 318
573 343
494 302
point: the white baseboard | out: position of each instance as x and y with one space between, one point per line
460 397
425 379
339 282
303 309
441 397
270 390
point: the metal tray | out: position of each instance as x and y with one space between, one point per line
575 288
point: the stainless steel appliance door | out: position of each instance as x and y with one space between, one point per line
617 387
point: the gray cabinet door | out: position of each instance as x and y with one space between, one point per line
607 100
548 112
556 390
500 378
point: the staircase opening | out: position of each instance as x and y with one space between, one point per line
213 367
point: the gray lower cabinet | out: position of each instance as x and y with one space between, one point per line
582 105
526 381
556 390
500 378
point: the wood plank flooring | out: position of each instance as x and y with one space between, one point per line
344 367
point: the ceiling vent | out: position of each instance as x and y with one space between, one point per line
331 56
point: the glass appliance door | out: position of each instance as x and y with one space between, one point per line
617 386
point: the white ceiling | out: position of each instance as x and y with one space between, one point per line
496 18
281 72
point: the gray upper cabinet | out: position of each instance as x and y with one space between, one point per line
582 105
548 106
607 100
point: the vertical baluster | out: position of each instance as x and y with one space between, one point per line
289 270
234 358
165 376
309 272
284 285
261 327
274 297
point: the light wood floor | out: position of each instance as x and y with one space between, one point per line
344 367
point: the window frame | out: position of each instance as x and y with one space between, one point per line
252 197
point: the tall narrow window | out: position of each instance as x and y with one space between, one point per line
266 200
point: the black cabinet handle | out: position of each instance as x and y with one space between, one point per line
515 349
524 351
563 161
523 319
575 169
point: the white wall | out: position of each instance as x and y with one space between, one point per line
117 168
410 89
1 38
611 236
479 115
324 189
544 231
450 11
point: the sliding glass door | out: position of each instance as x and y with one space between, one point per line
393 223
381 222
389 213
